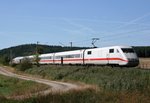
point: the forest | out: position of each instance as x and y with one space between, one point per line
142 51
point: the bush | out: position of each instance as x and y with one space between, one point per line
24 65
4 60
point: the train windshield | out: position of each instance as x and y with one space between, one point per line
127 50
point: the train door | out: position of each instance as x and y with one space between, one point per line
89 56
104 55
118 55
112 56
107 58
53 58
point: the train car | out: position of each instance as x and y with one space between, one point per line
115 55
17 60
46 58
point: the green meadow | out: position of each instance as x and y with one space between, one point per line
113 85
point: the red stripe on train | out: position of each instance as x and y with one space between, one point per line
86 59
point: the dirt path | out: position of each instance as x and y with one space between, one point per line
54 85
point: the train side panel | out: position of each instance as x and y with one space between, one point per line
105 56
70 57
115 55
96 56
46 58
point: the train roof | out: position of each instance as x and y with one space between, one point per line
109 47
19 58
75 51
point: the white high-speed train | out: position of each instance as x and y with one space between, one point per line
114 55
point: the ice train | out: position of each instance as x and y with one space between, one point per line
114 55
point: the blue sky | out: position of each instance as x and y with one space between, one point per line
56 22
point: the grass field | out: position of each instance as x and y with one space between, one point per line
144 63
115 85
125 85
105 77
11 87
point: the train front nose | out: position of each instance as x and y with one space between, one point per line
132 62
131 56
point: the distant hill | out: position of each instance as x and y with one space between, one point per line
30 49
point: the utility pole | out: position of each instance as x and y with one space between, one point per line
11 57
94 41
37 59
37 48
71 45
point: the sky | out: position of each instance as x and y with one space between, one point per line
59 22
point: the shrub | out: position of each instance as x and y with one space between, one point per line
24 65
4 60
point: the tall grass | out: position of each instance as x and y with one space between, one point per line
14 87
116 85
107 78
86 96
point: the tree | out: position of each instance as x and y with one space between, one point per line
40 50
25 64
37 59
5 60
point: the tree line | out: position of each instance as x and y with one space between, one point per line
142 51
30 49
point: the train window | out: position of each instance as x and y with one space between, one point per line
57 57
77 55
89 52
111 50
72 56
127 50
49 57
69 56
117 51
